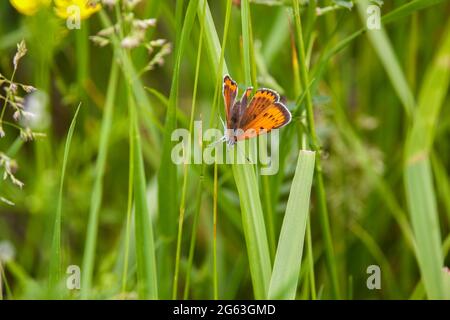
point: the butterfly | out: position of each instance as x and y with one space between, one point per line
247 118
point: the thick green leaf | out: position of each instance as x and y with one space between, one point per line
418 174
286 269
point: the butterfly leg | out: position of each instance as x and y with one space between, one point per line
213 144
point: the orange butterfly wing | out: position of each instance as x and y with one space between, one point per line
264 113
230 90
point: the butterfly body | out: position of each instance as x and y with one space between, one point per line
247 118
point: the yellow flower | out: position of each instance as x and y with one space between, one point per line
29 7
67 8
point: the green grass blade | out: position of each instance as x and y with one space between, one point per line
322 203
309 249
246 183
422 207
246 41
386 54
212 39
213 123
377 253
97 192
277 37
442 182
220 49
252 216
286 269
402 11
418 177
254 228
186 171
130 199
409 8
55 259
385 191
145 247
193 239
167 175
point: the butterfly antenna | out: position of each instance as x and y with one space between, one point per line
223 123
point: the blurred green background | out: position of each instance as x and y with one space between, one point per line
380 108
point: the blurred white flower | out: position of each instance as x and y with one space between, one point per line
35 114
144 24
7 251
133 40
